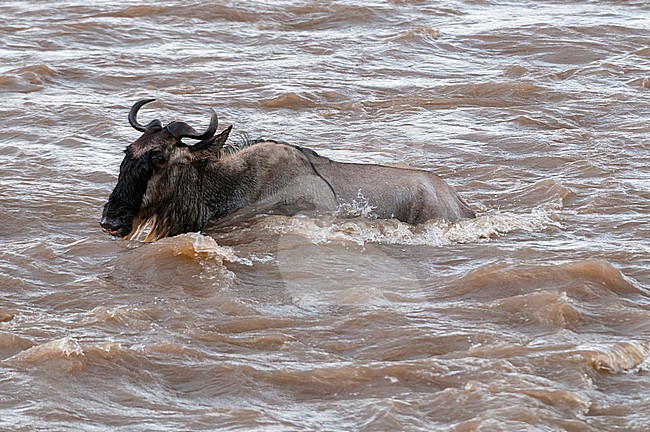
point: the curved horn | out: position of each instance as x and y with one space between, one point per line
133 116
183 130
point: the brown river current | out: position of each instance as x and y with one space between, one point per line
533 317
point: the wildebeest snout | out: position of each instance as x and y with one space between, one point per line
117 225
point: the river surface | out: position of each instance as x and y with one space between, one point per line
533 317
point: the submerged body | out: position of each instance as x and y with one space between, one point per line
317 183
171 188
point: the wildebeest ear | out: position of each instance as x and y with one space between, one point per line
213 144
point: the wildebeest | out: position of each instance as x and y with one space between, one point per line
171 187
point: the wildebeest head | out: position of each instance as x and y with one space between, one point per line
153 169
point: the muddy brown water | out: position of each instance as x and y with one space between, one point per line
535 316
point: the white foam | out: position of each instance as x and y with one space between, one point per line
434 233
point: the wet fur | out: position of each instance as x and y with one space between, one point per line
251 176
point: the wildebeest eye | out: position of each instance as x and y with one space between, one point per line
158 157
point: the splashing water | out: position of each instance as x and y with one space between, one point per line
359 207
392 232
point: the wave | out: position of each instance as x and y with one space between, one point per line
290 100
71 355
66 351
554 310
632 357
27 79
11 344
197 12
393 232
330 17
36 74
176 260
15 84
192 245
584 280
349 377
522 90
426 35
137 12
132 316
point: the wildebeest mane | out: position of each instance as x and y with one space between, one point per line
241 141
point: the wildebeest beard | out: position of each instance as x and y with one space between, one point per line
170 206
